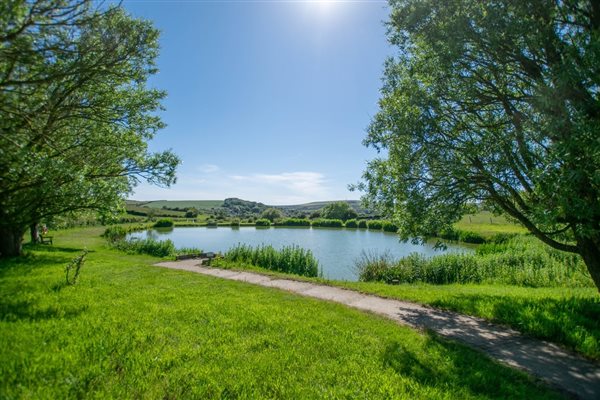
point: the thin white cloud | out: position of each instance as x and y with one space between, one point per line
295 185
208 168
276 189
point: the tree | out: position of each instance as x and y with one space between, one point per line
76 113
338 210
191 213
271 214
492 102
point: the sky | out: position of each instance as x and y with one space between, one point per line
267 101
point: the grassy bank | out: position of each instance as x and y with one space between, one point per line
130 330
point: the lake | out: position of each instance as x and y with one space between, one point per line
336 249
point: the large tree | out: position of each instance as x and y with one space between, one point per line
75 111
338 210
493 102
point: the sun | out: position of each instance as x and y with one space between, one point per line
324 6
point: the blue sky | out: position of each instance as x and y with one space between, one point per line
267 100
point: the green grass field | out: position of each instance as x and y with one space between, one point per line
197 204
131 330
487 224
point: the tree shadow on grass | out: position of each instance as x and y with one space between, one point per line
571 321
28 311
42 257
448 365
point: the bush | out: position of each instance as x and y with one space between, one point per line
290 259
389 226
327 223
293 222
115 232
164 223
351 223
521 261
235 222
362 224
271 214
211 223
118 232
375 225
449 234
470 237
262 222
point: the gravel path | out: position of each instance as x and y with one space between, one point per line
563 370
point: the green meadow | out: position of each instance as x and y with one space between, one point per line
128 329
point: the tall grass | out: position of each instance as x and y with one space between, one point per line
520 261
290 259
146 246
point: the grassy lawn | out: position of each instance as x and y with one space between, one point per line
569 317
130 330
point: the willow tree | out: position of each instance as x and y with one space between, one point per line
76 111
495 102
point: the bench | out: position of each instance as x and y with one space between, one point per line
46 239
205 258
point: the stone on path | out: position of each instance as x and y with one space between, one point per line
561 369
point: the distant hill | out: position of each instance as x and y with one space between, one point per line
178 204
317 205
231 206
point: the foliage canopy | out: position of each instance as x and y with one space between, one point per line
338 210
76 111
493 102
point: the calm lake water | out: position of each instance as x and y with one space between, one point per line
336 249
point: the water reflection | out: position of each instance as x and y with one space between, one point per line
336 249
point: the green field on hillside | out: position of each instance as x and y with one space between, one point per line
182 204
487 224
131 330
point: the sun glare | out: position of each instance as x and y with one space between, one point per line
323 6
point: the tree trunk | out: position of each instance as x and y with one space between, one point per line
589 248
35 232
10 241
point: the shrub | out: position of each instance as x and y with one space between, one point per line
351 223
75 264
235 222
362 224
389 226
375 225
118 232
449 234
263 222
290 259
211 223
327 223
163 223
271 214
115 232
470 237
501 238
293 222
